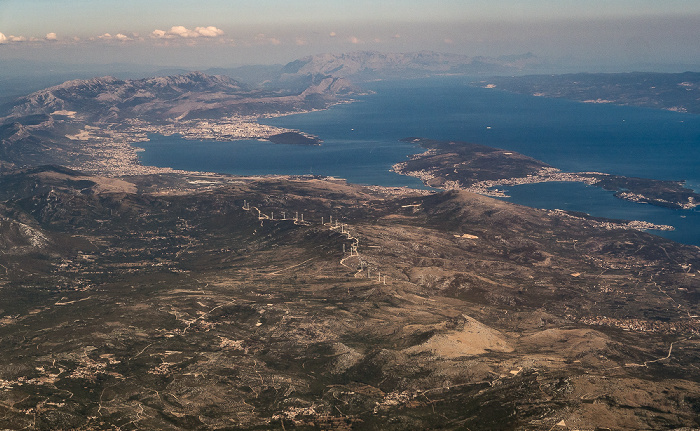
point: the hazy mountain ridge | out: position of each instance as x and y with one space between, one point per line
363 65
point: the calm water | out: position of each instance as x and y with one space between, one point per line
361 142
362 162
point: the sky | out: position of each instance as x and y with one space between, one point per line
226 33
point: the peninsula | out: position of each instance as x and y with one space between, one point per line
482 169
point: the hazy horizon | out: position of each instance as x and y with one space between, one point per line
597 35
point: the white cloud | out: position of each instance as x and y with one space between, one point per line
119 36
158 34
210 31
354 40
184 32
301 41
332 34
11 38
51 36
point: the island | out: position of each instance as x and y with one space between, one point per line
669 91
294 138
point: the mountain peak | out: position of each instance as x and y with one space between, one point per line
95 96
195 81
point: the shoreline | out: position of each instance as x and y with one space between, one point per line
481 169
115 155
547 175
111 152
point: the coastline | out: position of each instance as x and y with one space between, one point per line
485 171
111 151
484 188
480 169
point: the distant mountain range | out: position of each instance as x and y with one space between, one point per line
362 66
66 111
367 65
18 77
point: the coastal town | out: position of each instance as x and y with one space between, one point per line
222 129
111 151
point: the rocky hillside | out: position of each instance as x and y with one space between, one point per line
108 92
108 99
123 305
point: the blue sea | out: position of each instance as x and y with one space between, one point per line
361 142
